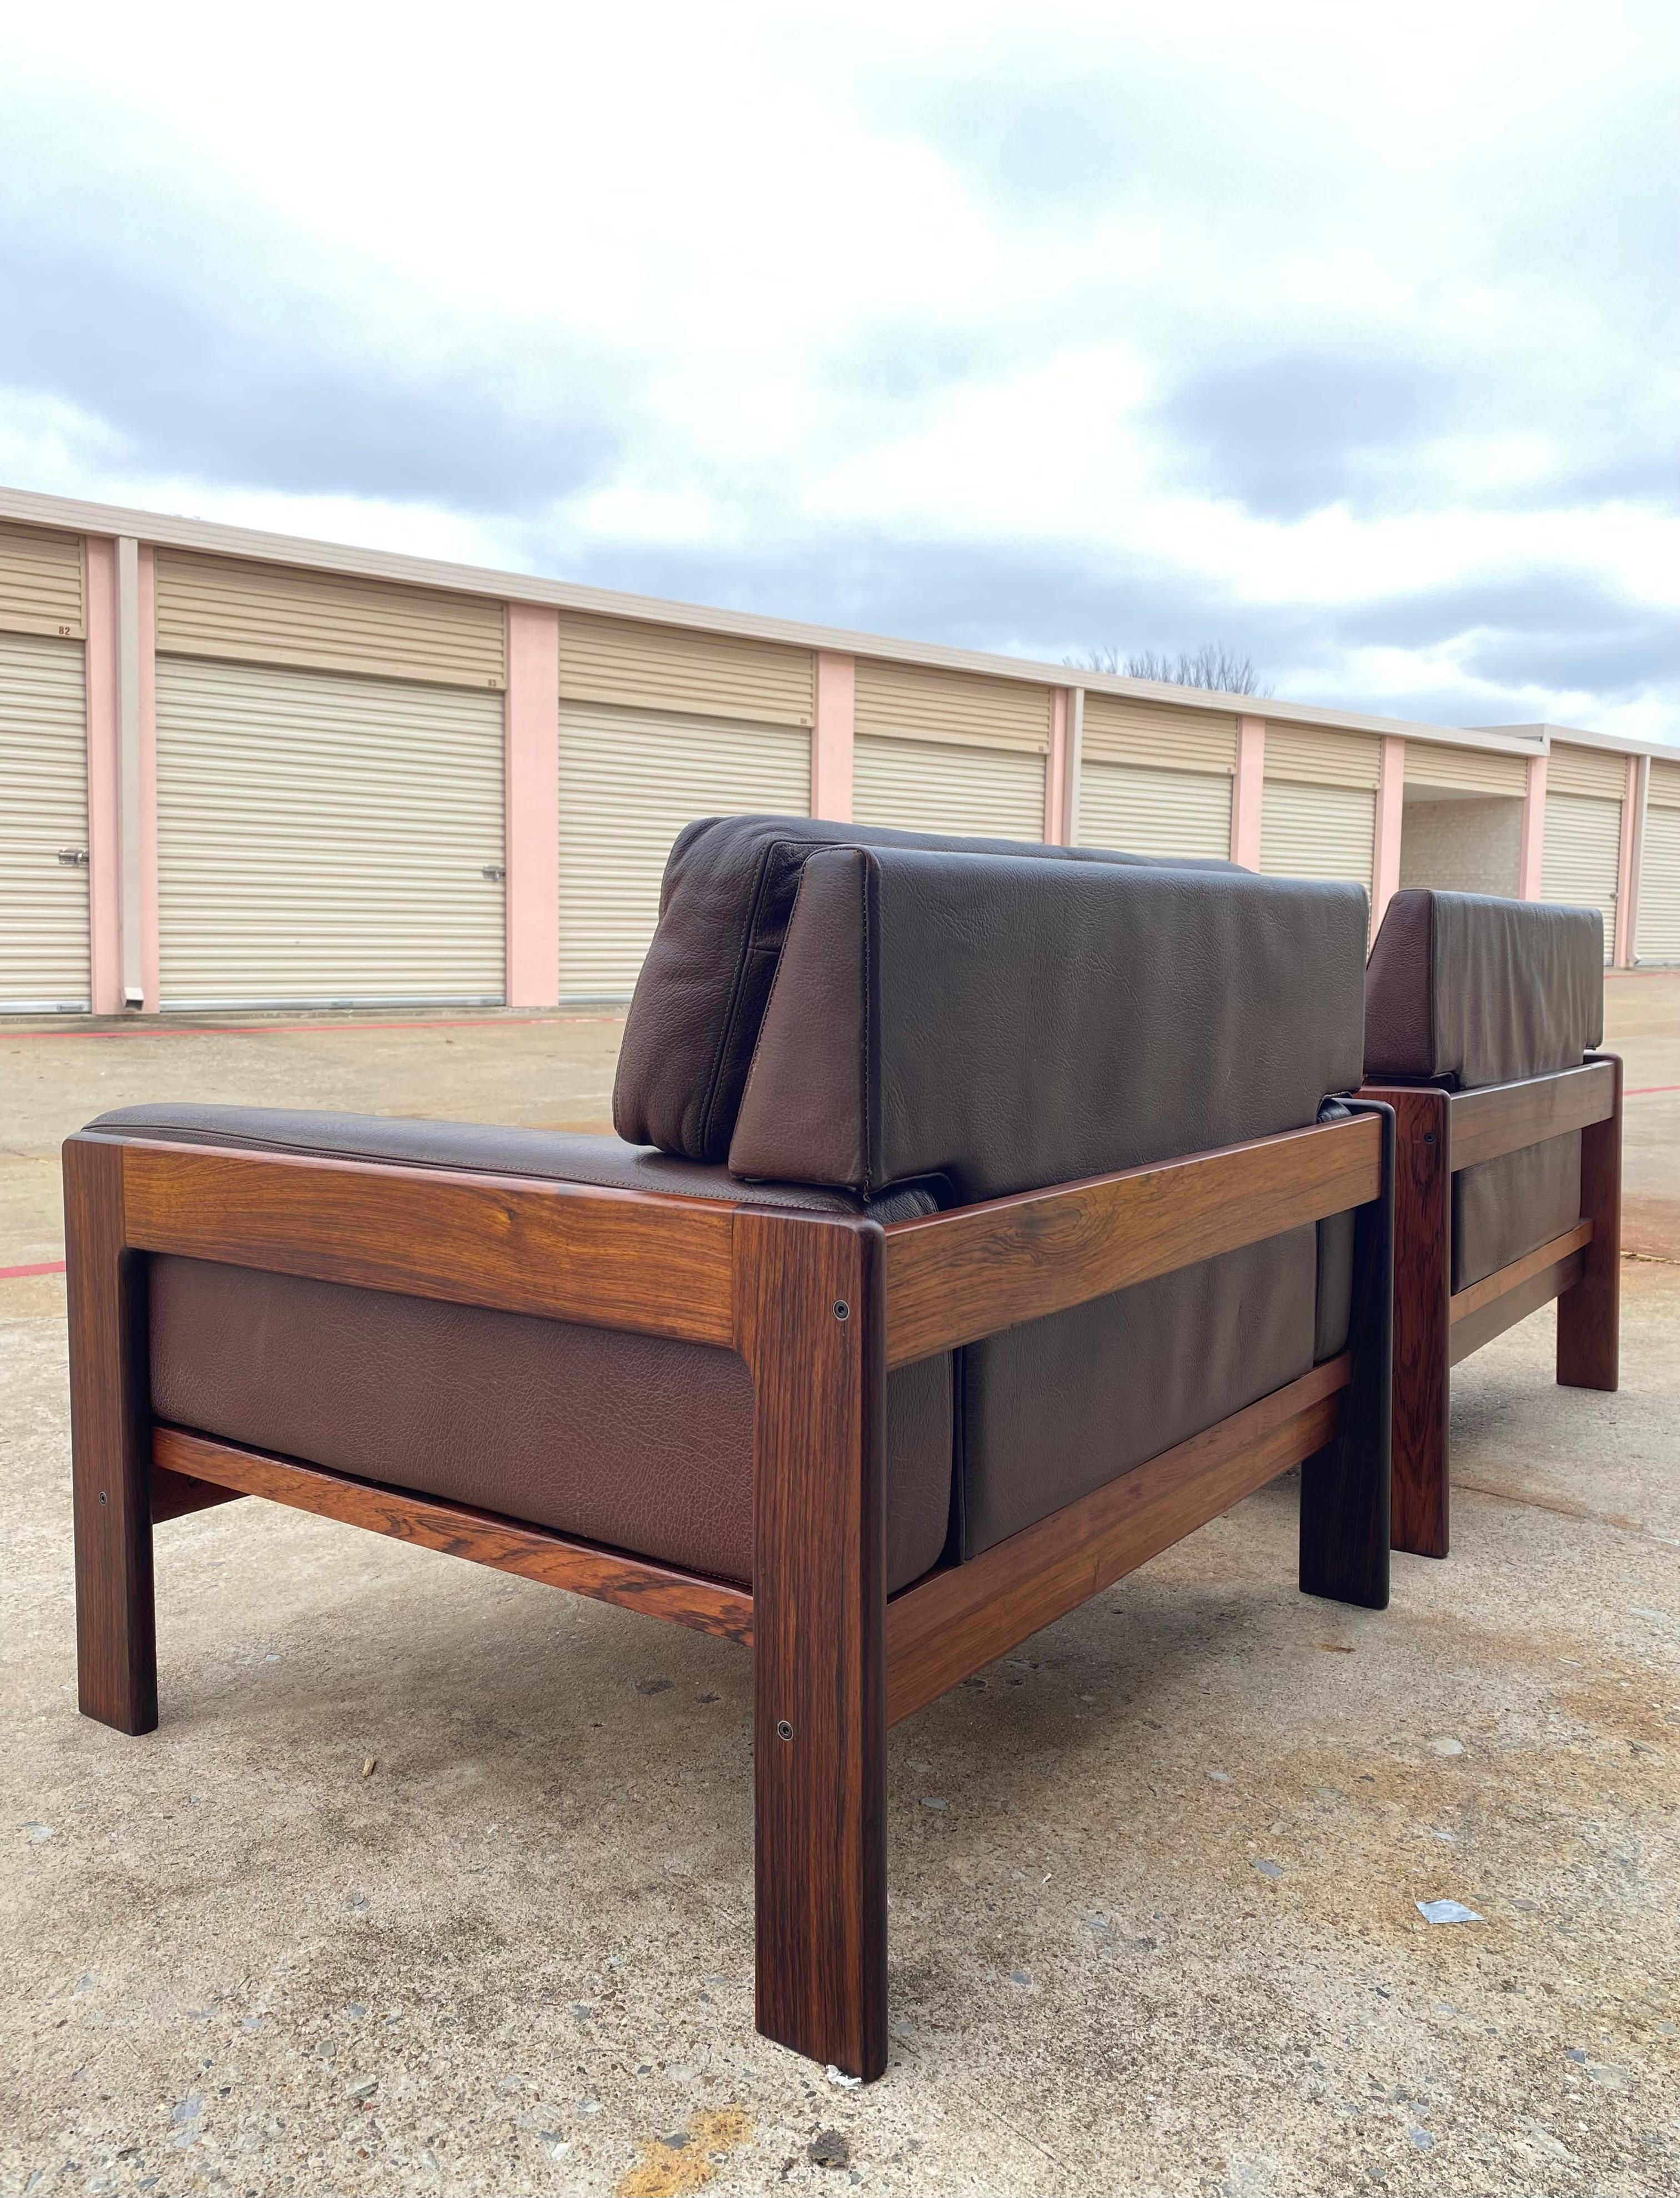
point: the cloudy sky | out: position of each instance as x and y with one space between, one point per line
1347 336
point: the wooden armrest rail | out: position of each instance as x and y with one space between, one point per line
1486 1124
612 1259
665 1265
952 1278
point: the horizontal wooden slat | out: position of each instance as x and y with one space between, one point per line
1504 1118
954 1277
1504 1280
1469 1332
612 1258
954 1622
459 1530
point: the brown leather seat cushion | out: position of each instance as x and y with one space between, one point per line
631 1440
1466 991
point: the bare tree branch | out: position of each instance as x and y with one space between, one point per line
1213 664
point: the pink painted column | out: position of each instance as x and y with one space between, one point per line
1627 866
1391 797
105 835
1532 859
1248 792
532 782
833 737
1076 764
1056 769
151 999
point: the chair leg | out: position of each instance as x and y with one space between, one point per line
1345 1487
1589 1316
116 1646
811 1323
1422 1320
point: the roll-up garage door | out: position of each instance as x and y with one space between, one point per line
44 825
1155 778
944 786
1317 831
1154 812
326 840
1583 858
629 782
1318 809
1658 938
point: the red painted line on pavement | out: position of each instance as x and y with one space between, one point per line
41 1267
1647 1090
267 1030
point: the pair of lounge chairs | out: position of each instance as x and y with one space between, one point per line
983 1219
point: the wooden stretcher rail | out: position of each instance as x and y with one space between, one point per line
1505 1117
1468 1331
1504 1280
459 1531
952 1278
957 1620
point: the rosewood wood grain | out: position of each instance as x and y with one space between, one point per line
1503 1118
458 1530
952 1278
811 1325
961 1618
177 1495
1589 1317
116 1646
1492 1287
615 1259
1423 1289
1526 1297
1346 1495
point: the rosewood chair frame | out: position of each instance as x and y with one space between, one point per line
1440 1133
820 1308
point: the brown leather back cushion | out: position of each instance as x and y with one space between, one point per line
728 889
1006 1025
1467 989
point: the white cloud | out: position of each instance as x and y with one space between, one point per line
907 282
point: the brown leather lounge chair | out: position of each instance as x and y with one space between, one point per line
971 1240
1480 1019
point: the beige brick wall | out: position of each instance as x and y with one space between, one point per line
1461 847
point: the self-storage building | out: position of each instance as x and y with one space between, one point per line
242 771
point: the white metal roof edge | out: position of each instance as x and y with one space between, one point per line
1578 737
214 538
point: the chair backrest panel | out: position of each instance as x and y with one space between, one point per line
730 887
1466 989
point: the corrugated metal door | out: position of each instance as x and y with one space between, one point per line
942 786
327 841
43 820
1154 812
1317 831
1658 938
1583 858
629 782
